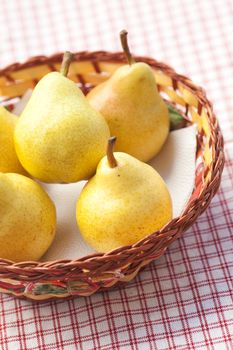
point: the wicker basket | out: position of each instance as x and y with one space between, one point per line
98 272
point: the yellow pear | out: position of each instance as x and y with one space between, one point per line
59 137
134 110
8 159
125 201
27 216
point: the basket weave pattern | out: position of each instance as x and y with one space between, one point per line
85 276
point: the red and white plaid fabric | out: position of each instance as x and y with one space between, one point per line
185 299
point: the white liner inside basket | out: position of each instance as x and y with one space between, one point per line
175 163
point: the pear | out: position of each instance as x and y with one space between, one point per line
27 216
125 201
134 110
8 159
59 137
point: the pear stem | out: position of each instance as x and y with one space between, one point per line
111 159
67 58
125 46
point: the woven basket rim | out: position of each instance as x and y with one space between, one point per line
191 212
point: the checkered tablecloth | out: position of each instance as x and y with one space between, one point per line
184 300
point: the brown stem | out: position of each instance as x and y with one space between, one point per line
111 159
67 58
124 44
